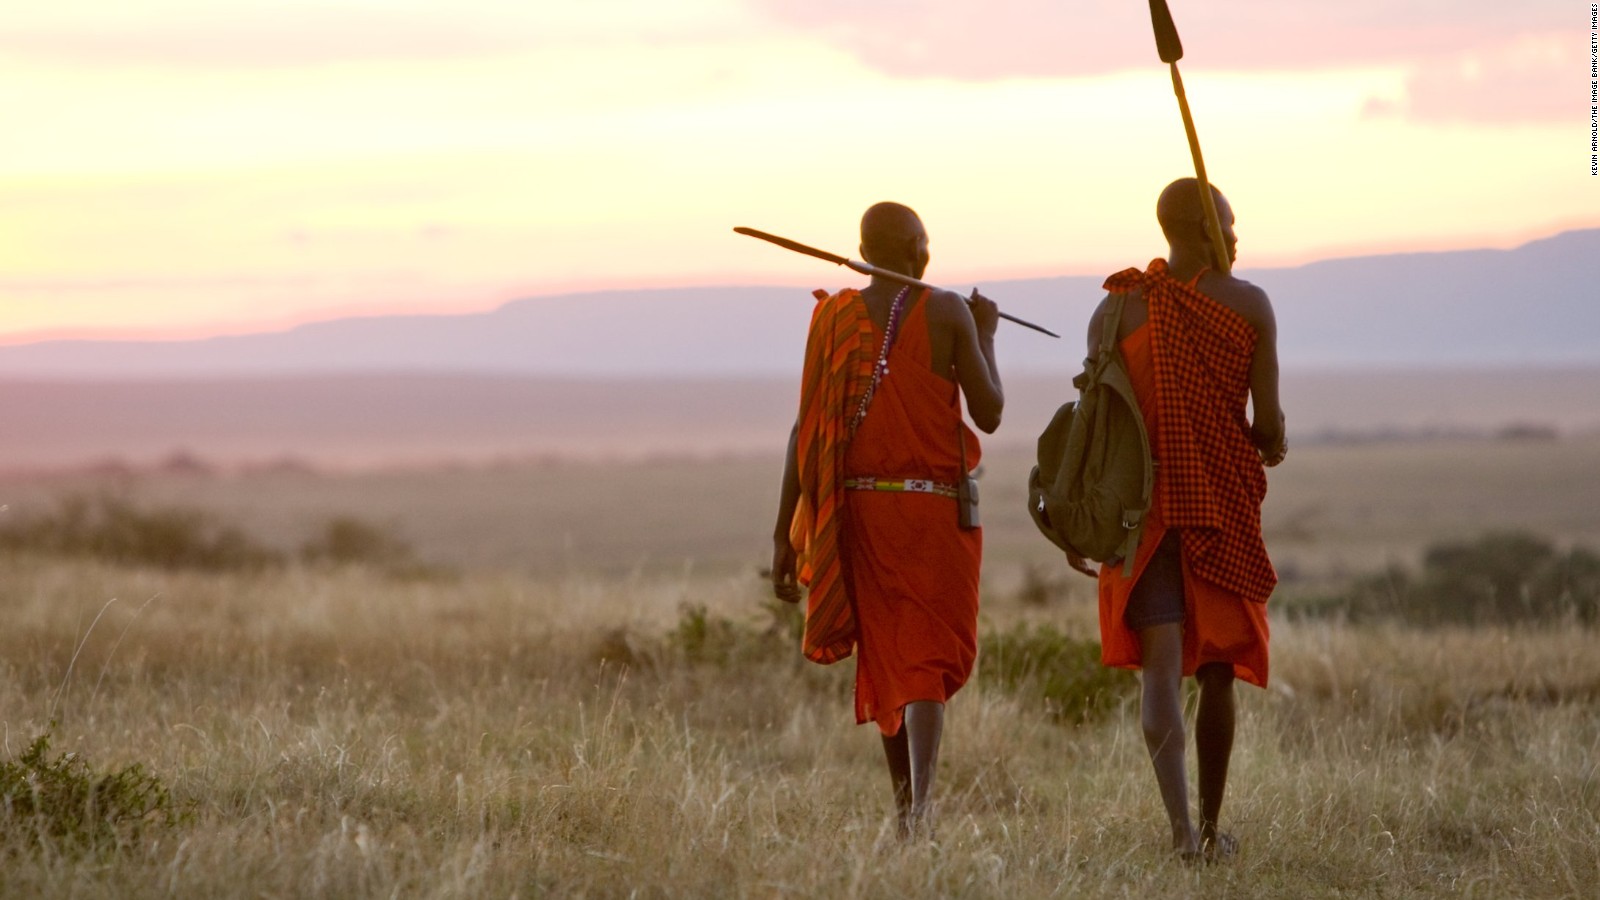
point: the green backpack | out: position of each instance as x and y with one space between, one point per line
1091 489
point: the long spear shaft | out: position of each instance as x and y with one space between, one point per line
867 269
1171 50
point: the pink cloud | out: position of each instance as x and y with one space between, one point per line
273 37
1033 38
1484 44
1530 79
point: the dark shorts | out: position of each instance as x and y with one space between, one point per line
1157 597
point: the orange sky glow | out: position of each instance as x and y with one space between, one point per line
192 167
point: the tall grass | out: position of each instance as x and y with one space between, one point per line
334 732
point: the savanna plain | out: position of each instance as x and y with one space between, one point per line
567 679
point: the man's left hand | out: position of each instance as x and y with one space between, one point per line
1082 565
985 314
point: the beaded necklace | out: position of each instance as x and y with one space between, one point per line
881 367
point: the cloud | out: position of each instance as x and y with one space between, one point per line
1526 80
1050 38
261 39
251 33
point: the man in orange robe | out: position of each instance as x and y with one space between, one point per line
1197 344
868 514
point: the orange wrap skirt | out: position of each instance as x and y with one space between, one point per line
912 570
1219 626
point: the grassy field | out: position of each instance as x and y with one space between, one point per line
600 703
1337 510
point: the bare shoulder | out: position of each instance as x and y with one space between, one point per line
1241 296
947 308
1096 318
1134 312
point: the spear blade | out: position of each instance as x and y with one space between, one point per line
1167 43
1171 50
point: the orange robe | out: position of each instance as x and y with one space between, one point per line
911 571
840 351
1189 364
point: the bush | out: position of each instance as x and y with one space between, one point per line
1040 588
701 638
119 531
116 530
64 801
1063 673
1505 578
349 541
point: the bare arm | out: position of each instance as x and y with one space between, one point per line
1266 413
1096 322
784 585
972 322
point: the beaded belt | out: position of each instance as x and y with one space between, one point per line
903 485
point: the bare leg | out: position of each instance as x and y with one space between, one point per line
1213 738
924 728
1161 714
896 750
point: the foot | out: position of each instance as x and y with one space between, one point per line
1220 847
912 827
919 825
1185 845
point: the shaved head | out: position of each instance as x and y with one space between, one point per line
1183 219
892 236
1181 214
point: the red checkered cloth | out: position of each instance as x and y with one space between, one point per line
1209 475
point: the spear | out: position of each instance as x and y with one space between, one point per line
1171 50
866 269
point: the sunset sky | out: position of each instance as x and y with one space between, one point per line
191 167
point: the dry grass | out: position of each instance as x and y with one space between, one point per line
535 729
342 734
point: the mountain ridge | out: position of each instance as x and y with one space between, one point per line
1436 309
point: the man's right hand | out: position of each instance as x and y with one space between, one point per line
785 586
1275 455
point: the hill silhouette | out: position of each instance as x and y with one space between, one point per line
1529 306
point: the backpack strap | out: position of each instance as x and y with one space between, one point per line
1133 519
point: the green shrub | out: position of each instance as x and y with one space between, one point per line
120 531
348 541
701 638
117 530
1040 588
1505 578
1062 673
63 801
344 540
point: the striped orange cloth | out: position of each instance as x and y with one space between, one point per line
840 352
1213 478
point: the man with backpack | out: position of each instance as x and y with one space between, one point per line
877 514
1196 344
